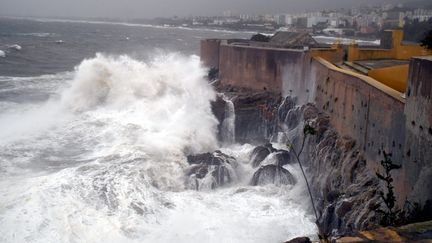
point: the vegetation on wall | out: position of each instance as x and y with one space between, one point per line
415 31
389 213
427 40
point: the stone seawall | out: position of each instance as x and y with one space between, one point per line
375 118
418 132
363 109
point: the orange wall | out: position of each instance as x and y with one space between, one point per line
395 77
399 51
333 55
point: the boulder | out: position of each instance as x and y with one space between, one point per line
300 240
218 110
210 170
256 116
260 153
284 157
272 174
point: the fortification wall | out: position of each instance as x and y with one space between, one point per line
365 110
209 51
418 111
259 68
360 107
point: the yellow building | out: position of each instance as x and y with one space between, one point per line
387 65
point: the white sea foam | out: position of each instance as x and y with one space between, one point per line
346 41
16 47
104 161
2 53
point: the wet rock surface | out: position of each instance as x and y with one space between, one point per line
256 116
344 188
210 170
280 157
300 240
272 174
218 109
260 153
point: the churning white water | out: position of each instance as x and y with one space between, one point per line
103 159
228 124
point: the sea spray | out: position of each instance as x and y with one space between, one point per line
228 124
109 163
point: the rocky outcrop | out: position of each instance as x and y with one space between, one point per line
300 240
210 170
419 232
272 174
218 109
255 116
344 189
259 154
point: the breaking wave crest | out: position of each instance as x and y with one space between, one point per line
103 159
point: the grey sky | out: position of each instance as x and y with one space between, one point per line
154 8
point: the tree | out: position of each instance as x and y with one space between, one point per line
390 215
427 40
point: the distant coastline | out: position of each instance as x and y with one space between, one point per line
322 39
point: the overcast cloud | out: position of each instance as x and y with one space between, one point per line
154 8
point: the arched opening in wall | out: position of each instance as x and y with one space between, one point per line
430 131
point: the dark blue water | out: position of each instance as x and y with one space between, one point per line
49 47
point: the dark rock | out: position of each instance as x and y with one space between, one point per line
331 196
300 240
272 174
260 153
310 112
260 38
344 207
284 157
293 118
287 104
218 109
256 116
210 170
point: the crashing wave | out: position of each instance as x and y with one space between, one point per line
15 47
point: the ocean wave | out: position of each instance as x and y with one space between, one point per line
15 47
37 34
104 160
2 53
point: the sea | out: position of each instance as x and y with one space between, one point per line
96 121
